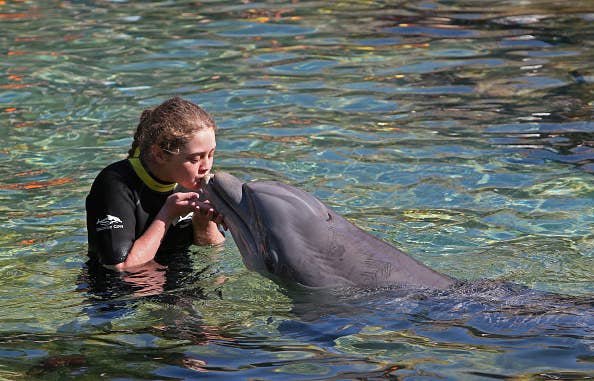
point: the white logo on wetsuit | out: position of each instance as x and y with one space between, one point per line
184 221
109 222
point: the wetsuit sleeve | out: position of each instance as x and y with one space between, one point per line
111 219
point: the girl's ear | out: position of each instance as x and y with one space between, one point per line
158 154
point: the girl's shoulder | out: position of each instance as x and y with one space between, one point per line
118 173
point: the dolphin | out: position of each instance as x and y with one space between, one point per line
290 236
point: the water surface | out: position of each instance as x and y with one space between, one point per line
459 131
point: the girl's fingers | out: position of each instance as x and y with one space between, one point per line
206 210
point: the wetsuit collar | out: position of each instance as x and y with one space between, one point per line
146 177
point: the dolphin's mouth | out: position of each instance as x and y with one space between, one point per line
206 180
225 193
220 197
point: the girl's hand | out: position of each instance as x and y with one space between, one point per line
203 214
179 204
205 221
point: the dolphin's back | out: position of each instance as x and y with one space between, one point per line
373 262
317 247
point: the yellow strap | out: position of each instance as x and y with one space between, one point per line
146 177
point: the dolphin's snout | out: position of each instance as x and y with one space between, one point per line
206 179
223 188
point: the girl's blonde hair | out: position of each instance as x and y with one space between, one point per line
170 126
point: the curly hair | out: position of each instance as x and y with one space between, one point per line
170 126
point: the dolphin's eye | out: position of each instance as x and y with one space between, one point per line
329 218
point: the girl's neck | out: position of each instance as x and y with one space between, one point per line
153 169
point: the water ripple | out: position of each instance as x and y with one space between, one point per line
461 133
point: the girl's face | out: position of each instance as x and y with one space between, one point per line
192 163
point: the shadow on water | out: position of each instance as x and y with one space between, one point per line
574 147
554 114
96 344
509 321
174 281
350 333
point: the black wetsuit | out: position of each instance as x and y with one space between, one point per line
123 201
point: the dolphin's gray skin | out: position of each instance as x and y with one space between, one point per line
286 232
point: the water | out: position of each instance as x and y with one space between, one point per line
459 131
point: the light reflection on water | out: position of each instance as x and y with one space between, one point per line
458 132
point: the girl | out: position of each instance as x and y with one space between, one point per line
149 204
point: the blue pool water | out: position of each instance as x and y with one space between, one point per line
460 131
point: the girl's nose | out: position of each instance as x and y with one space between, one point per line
205 165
